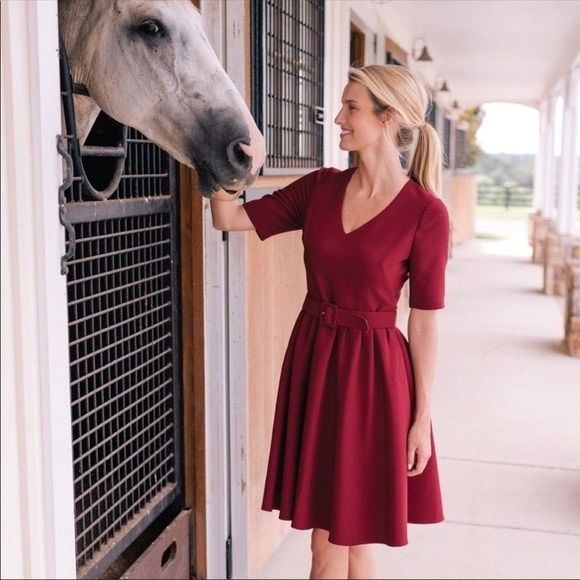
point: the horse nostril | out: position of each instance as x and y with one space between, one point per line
237 155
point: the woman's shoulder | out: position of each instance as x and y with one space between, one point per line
424 199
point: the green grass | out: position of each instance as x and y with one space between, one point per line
499 211
489 236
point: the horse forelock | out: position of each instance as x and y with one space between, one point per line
79 24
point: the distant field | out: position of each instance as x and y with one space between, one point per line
514 212
499 211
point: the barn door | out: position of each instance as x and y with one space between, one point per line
123 325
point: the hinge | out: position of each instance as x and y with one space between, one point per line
61 147
375 44
229 558
319 115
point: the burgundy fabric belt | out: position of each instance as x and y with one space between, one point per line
331 315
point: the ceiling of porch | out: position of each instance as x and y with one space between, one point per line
494 50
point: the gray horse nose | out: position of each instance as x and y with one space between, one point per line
237 156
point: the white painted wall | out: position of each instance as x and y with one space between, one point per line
337 44
37 488
225 339
374 18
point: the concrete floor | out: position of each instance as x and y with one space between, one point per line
506 415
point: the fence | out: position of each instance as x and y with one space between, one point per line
504 195
508 195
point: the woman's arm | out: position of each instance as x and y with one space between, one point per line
227 214
423 335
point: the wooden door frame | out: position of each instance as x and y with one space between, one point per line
193 380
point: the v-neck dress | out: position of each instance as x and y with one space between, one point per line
338 456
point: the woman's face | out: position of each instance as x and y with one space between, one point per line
360 126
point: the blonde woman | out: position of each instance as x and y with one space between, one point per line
352 454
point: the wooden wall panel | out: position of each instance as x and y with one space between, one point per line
191 255
276 286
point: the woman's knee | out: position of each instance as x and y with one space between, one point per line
321 546
360 551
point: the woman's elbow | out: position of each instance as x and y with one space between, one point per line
423 321
219 225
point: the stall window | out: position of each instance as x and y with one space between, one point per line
287 82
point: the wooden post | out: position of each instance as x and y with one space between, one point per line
555 264
572 329
542 228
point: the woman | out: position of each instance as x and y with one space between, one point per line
351 453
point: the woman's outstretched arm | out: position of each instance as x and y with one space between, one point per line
228 214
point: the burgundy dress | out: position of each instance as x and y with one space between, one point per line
338 456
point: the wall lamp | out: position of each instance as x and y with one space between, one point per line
443 92
420 52
455 111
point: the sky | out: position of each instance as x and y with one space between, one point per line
509 128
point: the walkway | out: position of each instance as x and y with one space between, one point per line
507 425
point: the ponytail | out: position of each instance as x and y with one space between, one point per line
394 87
427 160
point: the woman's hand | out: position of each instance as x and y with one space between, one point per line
418 447
228 215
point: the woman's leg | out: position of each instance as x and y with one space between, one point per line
361 562
328 560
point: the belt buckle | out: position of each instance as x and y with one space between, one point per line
328 314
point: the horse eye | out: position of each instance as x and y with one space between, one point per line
151 28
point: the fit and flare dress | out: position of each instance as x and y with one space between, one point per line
338 456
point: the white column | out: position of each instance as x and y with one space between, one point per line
37 480
548 209
568 182
540 164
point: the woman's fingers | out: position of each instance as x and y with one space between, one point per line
411 451
420 456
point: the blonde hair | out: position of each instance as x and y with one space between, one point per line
393 88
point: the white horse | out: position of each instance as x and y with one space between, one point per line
148 64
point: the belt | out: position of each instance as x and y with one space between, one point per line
331 315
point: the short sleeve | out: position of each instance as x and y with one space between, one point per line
428 259
284 210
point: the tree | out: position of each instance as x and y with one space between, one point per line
473 116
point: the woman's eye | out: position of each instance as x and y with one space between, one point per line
151 29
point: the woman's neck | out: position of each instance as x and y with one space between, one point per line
380 172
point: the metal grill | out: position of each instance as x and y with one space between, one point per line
288 49
431 116
149 168
460 149
447 143
123 321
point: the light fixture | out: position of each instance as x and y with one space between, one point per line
455 111
420 52
443 92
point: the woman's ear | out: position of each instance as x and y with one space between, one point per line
387 116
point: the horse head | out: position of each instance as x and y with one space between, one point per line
149 65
